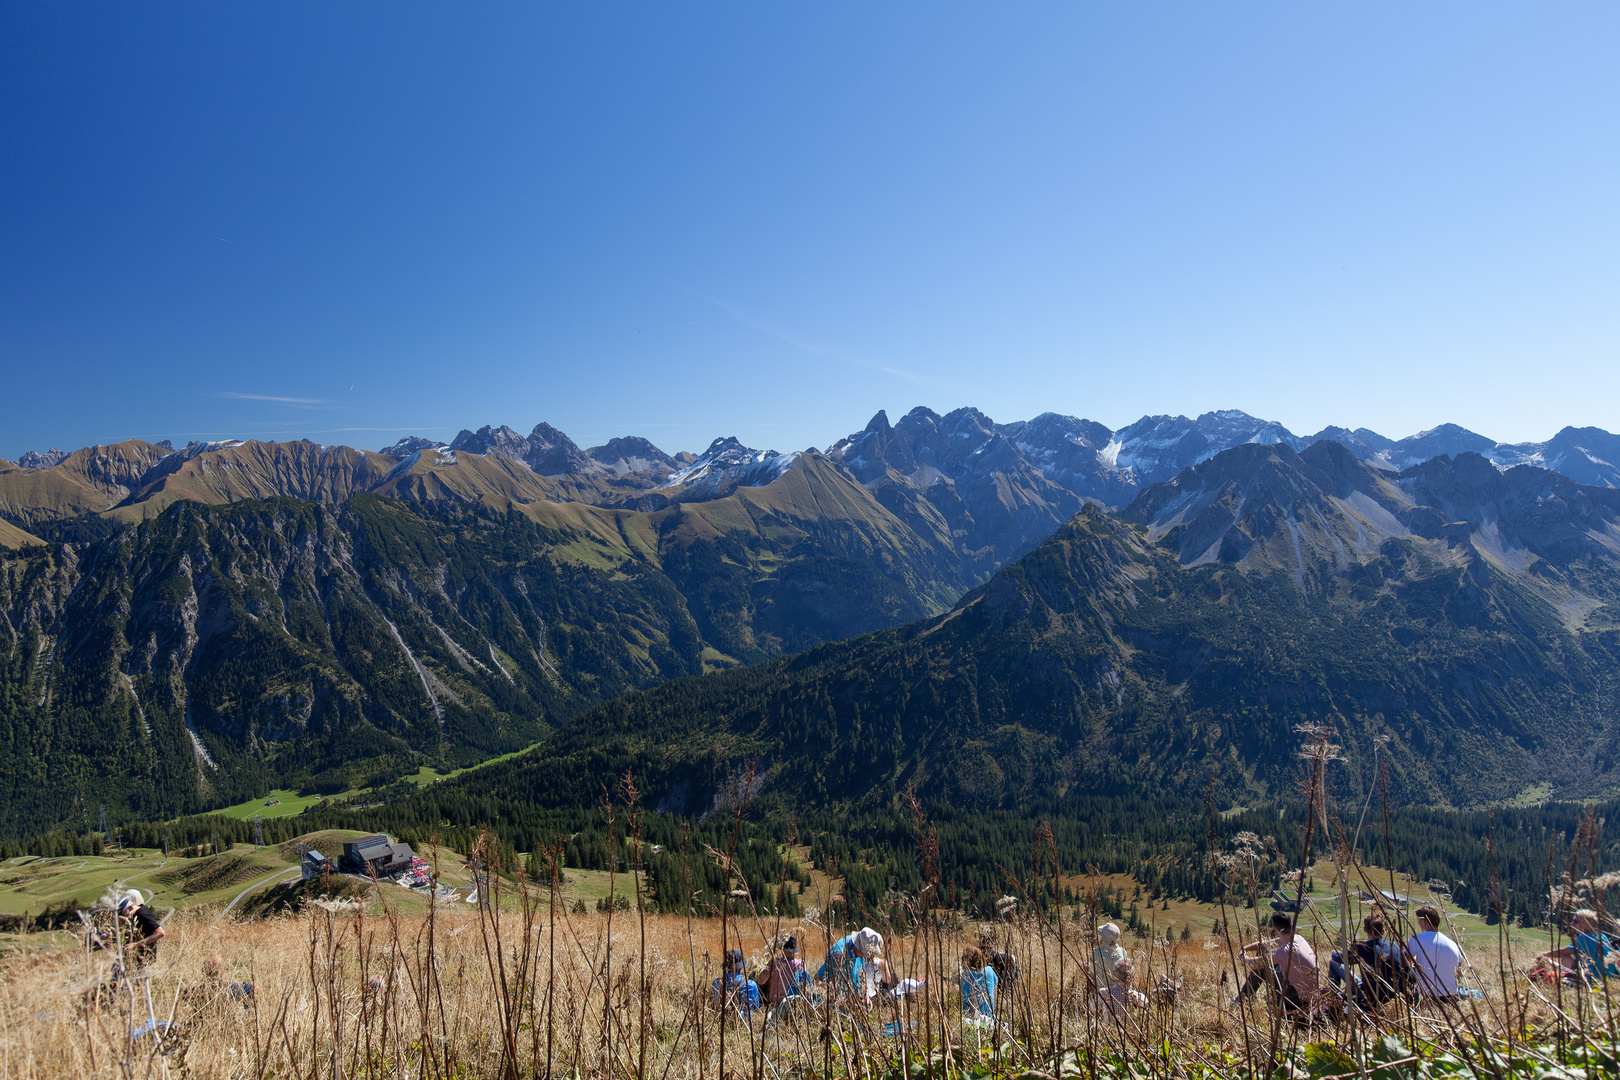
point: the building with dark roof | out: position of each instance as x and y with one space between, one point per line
378 854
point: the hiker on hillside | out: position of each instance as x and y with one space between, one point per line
1438 960
978 986
734 989
783 976
144 929
846 961
1588 946
1108 953
1382 972
1290 969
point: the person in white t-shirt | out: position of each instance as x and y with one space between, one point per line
1437 958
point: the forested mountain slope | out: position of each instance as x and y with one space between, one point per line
212 652
1465 614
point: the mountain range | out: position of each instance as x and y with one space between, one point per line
1458 623
188 627
999 488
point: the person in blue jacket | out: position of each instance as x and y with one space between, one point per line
734 988
846 962
1590 945
978 986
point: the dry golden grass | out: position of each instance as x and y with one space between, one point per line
506 989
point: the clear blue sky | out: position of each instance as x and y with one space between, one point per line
686 220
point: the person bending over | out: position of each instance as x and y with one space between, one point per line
847 958
144 928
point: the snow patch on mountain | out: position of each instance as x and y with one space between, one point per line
728 459
409 445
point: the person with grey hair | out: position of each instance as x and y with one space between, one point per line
1106 955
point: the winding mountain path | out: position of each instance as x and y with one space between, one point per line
256 884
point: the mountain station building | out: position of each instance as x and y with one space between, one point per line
380 854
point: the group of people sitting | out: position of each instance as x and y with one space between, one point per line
1369 973
855 971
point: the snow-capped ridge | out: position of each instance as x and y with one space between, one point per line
727 458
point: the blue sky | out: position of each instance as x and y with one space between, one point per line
681 220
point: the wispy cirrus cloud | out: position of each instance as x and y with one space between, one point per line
304 402
814 347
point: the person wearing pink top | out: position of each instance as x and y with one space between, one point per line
1290 970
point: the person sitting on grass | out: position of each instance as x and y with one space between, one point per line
734 989
1290 970
978 987
784 974
214 979
1117 997
843 968
1107 953
1385 971
1588 946
1002 961
1436 958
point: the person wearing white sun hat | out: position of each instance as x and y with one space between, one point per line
145 929
847 958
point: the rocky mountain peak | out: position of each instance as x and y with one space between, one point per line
545 450
726 465
49 458
631 454
409 445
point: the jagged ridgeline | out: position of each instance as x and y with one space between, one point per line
1463 614
212 652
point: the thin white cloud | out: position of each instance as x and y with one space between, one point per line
239 396
820 348
255 433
